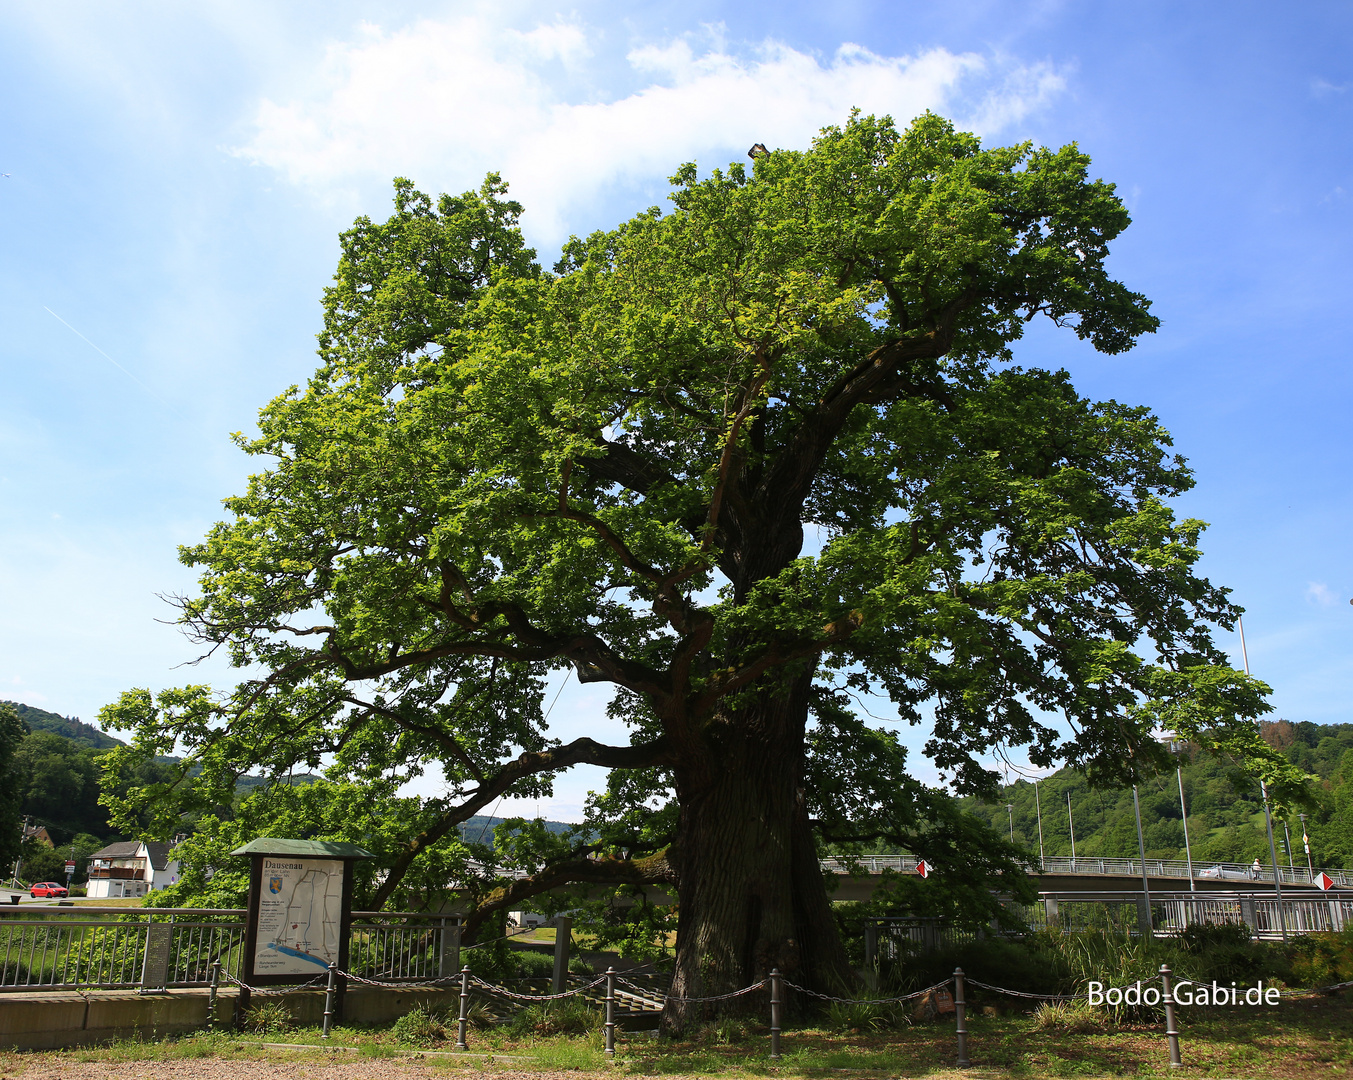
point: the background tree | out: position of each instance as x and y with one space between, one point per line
12 732
748 461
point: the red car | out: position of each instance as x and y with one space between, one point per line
48 888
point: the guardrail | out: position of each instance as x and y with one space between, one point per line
1083 866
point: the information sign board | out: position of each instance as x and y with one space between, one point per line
300 910
300 916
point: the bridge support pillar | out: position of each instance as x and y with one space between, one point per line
1247 913
1050 912
1336 915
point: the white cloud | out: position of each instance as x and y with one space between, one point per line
443 102
1319 593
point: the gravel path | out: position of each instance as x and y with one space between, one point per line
60 1068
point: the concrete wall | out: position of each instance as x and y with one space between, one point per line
46 1021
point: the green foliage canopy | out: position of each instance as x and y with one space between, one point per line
499 470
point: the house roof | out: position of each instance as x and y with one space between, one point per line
156 850
123 849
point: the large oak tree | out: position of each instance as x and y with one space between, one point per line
752 461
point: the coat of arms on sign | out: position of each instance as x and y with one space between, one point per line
274 884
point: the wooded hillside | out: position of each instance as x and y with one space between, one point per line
1225 809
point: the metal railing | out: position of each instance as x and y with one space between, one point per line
1172 913
404 945
1088 866
148 950
116 948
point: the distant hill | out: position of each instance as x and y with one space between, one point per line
481 826
69 727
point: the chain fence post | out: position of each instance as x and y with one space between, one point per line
775 1014
211 996
1171 1028
463 1022
610 1012
961 1019
330 990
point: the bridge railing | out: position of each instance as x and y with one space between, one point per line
1171 913
1087 865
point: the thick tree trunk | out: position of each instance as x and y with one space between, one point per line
751 893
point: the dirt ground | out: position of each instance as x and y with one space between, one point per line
46 1067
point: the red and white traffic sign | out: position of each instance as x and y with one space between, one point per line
923 868
1324 880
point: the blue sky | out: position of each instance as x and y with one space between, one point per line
178 176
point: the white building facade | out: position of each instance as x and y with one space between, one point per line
131 868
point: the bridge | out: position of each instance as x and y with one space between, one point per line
858 878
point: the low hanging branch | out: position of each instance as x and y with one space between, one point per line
656 869
583 751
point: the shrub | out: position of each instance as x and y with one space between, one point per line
1223 952
420 1027
568 1016
1322 959
1029 965
728 1030
531 964
268 1017
1077 1015
13 974
859 1016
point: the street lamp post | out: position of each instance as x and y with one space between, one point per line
1268 816
1010 813
1038 809
1071 824
1144 918
1178 749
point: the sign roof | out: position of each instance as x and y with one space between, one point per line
306 849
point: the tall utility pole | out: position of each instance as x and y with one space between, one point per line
1177 747
1010 813
1038 809
1268 815
1071 824
1144 917
1306 843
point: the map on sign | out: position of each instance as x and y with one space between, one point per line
300 914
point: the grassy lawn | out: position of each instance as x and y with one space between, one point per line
1300 1039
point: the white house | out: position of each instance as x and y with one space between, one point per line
131 868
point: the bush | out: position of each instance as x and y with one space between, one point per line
268 1017
728 1030
1029 965
1226 952
859 1017
1077 1016
1322 959
568 1016
13 974
532 964
420 1027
